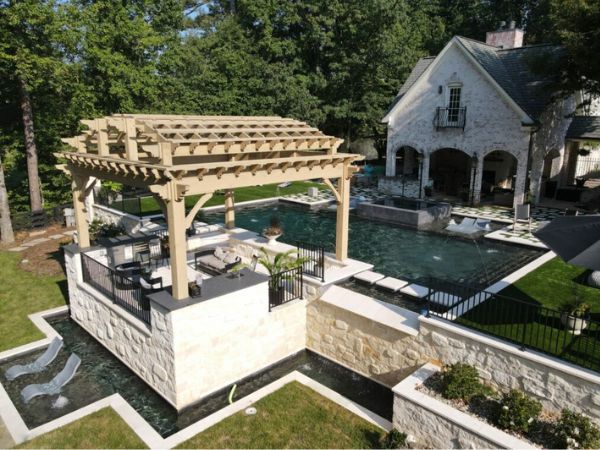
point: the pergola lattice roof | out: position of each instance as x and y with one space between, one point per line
223 151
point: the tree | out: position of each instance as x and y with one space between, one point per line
6 231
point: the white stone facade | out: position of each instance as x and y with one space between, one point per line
190 352
492 124
389 355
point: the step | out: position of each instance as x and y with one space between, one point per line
415 290
368 277
391 284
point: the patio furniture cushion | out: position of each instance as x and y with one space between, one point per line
231 258
219 253
212 261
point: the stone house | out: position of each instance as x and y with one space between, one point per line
478 123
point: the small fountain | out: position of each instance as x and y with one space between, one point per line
60 402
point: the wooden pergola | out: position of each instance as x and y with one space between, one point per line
174 156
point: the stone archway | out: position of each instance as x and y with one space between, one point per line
499 174
450 170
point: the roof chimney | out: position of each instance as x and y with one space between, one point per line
505 37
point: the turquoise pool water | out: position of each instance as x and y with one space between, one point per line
394 250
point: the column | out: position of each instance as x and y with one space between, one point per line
520 181
424 173
390 159
178 247
78 187
229 209
343 217
537 168
477 180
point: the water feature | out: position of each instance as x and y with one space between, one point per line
394 250
102 374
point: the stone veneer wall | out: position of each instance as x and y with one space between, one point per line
132 224
431 430
190 352
389 356
148 351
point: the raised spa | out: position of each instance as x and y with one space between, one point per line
406 211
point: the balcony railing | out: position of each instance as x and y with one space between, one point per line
285 287
450 118
120 289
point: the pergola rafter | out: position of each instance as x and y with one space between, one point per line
178 156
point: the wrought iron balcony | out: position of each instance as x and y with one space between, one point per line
450 118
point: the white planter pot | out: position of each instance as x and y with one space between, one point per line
573 324
272 238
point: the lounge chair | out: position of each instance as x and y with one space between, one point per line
55 385
467 226
522 215
39 364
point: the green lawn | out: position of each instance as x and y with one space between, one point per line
552 284
295 416
149 206
23 293
542 329
102 429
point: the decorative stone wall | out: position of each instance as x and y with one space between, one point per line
148 351
132 224
367 347
388 356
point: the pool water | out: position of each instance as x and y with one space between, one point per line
102 374
394 250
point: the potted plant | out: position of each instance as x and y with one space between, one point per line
273 231
280 263
575 315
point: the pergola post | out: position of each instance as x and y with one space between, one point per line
343 216
178 247
229 209
79 193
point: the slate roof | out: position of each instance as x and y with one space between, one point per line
510 68
584 127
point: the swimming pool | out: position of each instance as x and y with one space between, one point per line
394 250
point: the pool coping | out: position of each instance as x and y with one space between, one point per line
20 432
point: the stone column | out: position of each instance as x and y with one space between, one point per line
424 173
343 217
535 182
477 175
390 160
229 209
78 186
519 198
178 247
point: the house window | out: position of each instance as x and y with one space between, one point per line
454 103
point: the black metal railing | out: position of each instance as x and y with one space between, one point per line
450 118
121 290
285 286
525 323
27 220
315 259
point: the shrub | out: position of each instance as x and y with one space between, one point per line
516 411
575 430
394 439
461 381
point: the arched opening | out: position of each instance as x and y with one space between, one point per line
450 170
499 178
550 174
407 164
